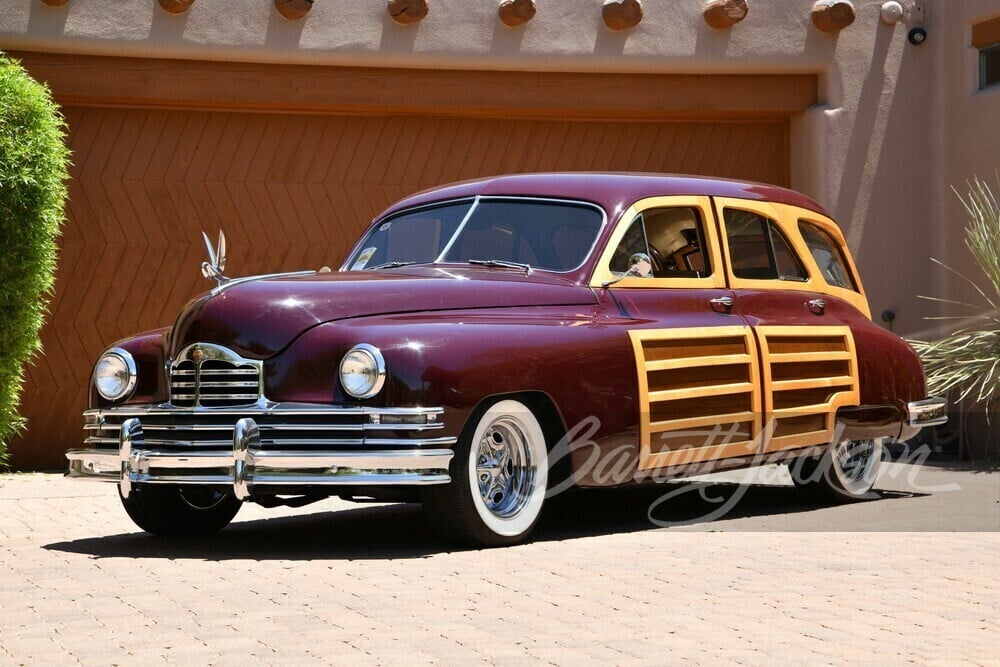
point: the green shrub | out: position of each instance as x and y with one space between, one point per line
968 361
34 164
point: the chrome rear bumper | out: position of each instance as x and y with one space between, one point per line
927 412
188 450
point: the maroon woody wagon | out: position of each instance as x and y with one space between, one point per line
490 342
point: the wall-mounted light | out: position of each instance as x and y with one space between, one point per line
888 316
891 12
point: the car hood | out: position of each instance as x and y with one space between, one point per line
258 318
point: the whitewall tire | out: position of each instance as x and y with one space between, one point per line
499 478
846 472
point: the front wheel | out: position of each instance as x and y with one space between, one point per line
179 511
846 472
499 478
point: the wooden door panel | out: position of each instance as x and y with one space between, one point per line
699 392
808 373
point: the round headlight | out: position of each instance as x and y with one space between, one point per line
362 371
114 374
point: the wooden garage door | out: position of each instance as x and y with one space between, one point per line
291 191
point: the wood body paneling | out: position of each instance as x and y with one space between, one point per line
700 393
809 372
291 191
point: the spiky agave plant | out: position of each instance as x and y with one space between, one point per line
969 359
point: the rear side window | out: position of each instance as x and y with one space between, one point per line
758 250
828 255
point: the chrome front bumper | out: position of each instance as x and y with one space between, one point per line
267 446
927 412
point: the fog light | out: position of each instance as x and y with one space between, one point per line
404 419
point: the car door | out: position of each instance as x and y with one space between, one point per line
699 389
808 359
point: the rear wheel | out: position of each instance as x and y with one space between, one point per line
179 511
846 472
499 478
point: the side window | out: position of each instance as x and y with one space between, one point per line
758 250
634 242
674 240
828 255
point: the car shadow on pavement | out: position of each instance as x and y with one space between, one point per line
399 530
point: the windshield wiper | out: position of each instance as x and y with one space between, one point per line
499 262
389 265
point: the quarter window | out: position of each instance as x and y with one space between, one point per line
758 250
672 238
828 255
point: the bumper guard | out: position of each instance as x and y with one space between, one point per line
927 412
248 466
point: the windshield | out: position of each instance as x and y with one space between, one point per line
548 235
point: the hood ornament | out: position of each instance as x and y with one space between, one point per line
216 263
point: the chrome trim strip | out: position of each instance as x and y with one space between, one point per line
233 282
927 412
260 408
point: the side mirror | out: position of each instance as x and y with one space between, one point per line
639 266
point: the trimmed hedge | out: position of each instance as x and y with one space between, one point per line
34 165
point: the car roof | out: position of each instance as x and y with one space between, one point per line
613 191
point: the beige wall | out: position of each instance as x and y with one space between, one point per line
897 126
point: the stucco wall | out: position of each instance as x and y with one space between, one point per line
898 124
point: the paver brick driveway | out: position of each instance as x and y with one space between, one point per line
337 582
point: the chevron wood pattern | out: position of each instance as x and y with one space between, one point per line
291 191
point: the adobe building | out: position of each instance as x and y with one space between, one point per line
291 123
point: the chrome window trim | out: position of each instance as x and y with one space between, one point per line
458 230
476 200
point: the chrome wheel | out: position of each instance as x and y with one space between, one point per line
499 478
855 459
855 465
504 467
847 471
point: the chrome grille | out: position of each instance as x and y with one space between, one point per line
212 376
286 428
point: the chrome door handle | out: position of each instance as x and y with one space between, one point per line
723 301
816 306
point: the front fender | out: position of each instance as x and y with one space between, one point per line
149 349
455 360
